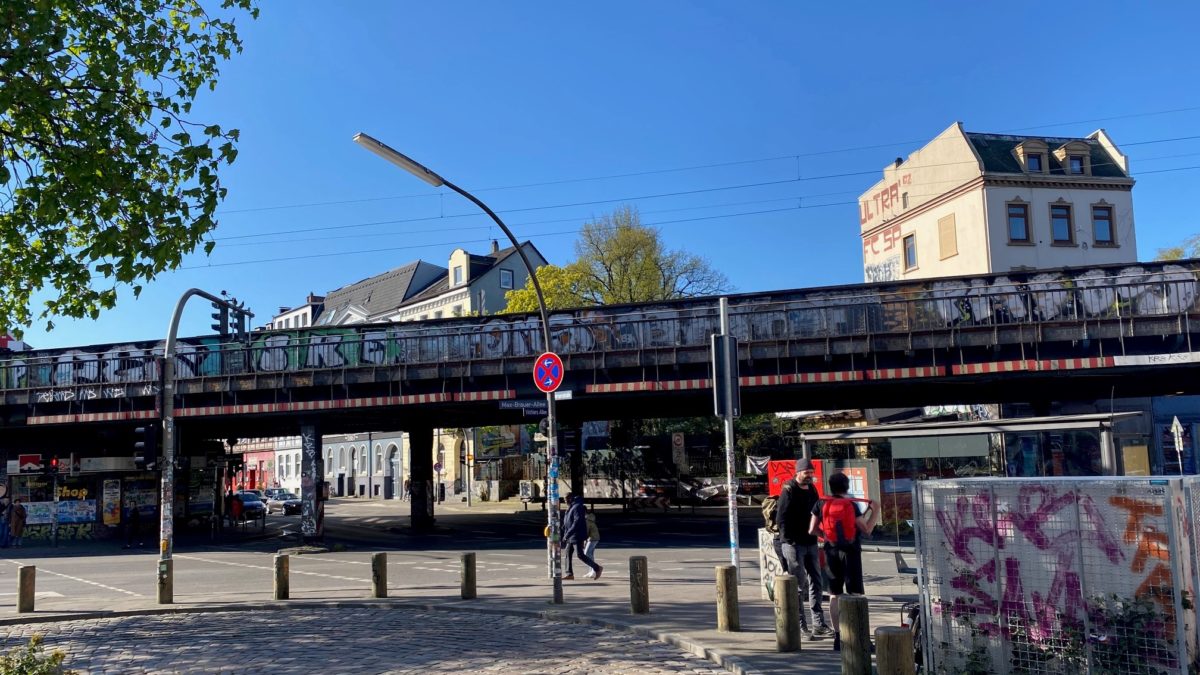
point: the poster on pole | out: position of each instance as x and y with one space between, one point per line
110 501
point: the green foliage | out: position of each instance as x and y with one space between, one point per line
30 660
622 261
1190 248
562 287
104 182
1129 635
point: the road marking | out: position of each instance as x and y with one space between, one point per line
41 594
42 570
293 570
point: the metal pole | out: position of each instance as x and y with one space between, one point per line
553 543
54 515
734 556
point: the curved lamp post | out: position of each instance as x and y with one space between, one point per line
420 171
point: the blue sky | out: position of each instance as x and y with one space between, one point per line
536 106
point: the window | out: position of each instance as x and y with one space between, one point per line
458 270
506 278
437 314
947 237
1102 226
904 200
1076 164
304 319
457 311
1018 223
1034 163
910 251
378 459
287 323
299 470
1061 231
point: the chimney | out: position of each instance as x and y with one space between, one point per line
495 246
899 161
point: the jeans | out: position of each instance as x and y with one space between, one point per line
4 534
802 562
576 548
590 548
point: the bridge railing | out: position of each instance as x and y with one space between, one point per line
906 308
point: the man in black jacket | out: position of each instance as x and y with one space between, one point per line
794 516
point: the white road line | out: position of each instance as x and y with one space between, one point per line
293 570
43 570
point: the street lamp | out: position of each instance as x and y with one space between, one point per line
424 173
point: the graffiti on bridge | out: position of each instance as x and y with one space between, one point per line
132 369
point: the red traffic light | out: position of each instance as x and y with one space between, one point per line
54 464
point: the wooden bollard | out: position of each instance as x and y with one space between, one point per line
728 619
26 575
854 625
467 583
639 585
787 613
283 584
378 575
894 651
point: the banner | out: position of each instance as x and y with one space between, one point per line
757 466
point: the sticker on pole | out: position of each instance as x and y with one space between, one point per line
548 372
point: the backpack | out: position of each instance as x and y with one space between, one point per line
769 507
839 521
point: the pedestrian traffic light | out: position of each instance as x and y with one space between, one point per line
145 447
52 465
220 318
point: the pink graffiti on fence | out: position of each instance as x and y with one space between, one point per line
1042 614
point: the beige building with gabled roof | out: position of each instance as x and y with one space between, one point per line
978 203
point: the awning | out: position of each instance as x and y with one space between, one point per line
1097 421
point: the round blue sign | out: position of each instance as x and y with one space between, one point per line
548 372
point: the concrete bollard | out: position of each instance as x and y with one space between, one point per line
728 619
639 585
378 575
283 584
854 625
467 583
26 576
787 613
894 651
166 582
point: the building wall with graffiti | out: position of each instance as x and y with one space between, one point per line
1077 294
1058 575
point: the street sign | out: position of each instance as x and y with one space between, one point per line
437 467
563 395
548 372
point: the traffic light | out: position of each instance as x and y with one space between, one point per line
220 318
145 447
52 465
238 323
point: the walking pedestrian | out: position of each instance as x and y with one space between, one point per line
793 515
841 521
593 537
4 536
133 523
16 521
574 534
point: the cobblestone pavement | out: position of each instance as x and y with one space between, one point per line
350 640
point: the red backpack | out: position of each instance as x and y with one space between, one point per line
839 520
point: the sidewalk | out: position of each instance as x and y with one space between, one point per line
683 613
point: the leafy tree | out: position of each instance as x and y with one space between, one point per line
561 286
1190 248
104 183
624 261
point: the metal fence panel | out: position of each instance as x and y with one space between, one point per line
1057 575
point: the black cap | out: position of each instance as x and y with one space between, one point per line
803 464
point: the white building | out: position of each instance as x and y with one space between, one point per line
299 317
977 203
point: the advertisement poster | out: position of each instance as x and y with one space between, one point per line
111 502
77 511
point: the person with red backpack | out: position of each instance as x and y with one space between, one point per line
840 522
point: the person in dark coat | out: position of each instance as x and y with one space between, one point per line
793 515
574 534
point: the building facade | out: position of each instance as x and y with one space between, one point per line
979 203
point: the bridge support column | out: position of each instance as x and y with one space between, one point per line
420 442
312 477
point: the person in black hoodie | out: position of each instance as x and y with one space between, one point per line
574 534
794 516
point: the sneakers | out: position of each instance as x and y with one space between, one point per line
568 577
808 634
599 569
823 629
590 574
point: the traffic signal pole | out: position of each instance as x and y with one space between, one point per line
166 526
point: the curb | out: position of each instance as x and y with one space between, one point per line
721 658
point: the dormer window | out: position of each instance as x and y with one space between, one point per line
1075 158
1033 163
458 275
1031 154
1076 164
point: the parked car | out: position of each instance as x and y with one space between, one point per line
270 493
284 502
253 507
